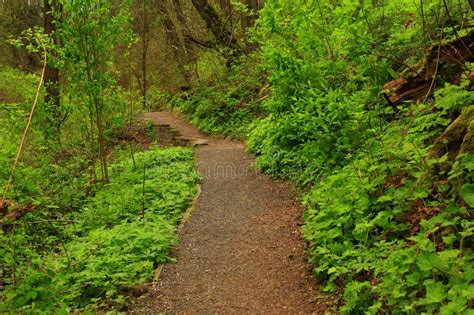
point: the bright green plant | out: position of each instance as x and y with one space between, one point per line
89 30
230 105
118 237
386 224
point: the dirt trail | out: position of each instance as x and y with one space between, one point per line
241 252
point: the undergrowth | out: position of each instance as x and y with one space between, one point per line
389 213
388 193
230 104
389 216
391 229
117 238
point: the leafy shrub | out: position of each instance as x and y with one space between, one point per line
230 105
115 243
389 225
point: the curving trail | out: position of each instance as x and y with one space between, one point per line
241 252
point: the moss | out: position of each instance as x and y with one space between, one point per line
457 138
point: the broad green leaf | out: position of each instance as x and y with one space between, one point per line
467 193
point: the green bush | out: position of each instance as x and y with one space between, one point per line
114 242
230 105
388 227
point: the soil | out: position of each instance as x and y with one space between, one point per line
241 251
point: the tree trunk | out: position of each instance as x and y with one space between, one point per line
51 75
189 52
418 83
214 24
176 45
145 44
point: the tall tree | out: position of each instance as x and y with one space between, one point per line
223 36
173 38
143 18
188 47
51 76
145 35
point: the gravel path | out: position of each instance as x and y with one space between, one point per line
241 252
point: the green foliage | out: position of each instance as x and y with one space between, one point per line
211 66
81 242
16 17
113 259
16 86
40 178
114 243
230 105
168 178
89 31
18 89
388 225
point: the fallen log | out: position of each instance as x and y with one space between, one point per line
417 83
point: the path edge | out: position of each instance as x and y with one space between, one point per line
185 219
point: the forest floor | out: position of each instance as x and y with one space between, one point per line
241 252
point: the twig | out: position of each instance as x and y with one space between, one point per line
133 155
205 44
82 260
14 256
453 25
67 255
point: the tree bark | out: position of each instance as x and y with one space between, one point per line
177 47
15 214
51 76
417 83
145 44
223 36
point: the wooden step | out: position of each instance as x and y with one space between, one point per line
169 136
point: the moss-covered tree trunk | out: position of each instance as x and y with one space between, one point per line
457 138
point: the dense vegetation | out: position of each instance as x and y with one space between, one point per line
389 214
76 232
117 239
228 105
368 106
77 245
388 219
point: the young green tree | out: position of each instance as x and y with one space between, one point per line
90 31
